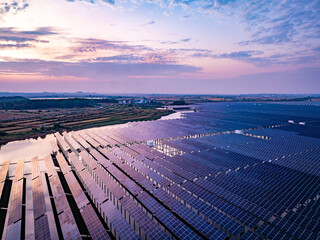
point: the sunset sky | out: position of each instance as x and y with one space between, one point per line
154 46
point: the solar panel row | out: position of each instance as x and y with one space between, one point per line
94 184
66 218
15 207
183 211
95 227
113 191
3 174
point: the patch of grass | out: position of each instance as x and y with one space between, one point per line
67 120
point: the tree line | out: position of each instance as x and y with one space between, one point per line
20 103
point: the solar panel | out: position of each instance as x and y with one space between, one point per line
71 142
41 228
143 152
50 168
250 236
112 157
75 162
66 219
141 219
61 142
98 139
88 161
35 168
95 227
14 230
76 190
3 174
54 146
65 168
19 170
39 206
15 210
91 141
110 140
101 159
167 219
119 227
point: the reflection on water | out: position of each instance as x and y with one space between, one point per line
30 148
176 115
27 149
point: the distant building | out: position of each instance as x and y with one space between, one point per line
126 101
143 101
150 143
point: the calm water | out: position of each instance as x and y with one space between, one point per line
30 148
27 148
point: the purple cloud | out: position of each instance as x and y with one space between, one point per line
11 34
96 70
92 45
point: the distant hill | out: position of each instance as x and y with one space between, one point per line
81 94
10 99
51 94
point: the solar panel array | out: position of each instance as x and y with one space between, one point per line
228 171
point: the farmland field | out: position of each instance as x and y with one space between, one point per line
17 125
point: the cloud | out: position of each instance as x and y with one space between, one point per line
317 49
17 45
298 81
201 50
260 59
245 56
183 3
278 22
88 1
118 58
149 23
185 17
136 58
170 4
184 40
94 70
239 54
169 42
7 6
208 6
12 34
268 22
109 2
280 33
116 51
92 45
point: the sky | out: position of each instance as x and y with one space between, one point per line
155 46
